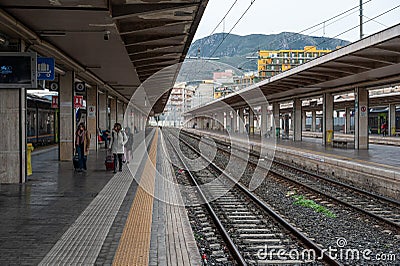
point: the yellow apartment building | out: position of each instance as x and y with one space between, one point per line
271 63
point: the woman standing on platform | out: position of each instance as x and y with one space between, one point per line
117 143
82 144
384 128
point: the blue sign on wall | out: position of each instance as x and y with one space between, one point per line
45 68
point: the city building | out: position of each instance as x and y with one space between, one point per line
223 83
271 63
204 93
179 101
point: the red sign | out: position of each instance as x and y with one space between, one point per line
54 102
78 101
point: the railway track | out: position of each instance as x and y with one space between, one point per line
379 207
253 232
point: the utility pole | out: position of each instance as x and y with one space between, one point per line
361 19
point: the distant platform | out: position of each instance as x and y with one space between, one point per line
376 169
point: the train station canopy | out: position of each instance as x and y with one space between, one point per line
117 44
371 62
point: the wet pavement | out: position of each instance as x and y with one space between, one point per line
35 215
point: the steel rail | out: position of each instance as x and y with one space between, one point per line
361 191
308 242
228 240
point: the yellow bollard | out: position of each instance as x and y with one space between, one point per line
29 150
329 136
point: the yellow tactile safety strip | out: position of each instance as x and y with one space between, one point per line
134 245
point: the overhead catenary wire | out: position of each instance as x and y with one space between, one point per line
336 16
376 21
219 23
323 23
234 26
230 31
223 19
355 27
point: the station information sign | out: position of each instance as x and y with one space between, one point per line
78 101
18 70
45 68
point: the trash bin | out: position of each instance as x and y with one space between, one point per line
329 136
29 150
277 132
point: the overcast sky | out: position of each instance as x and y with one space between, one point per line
271 17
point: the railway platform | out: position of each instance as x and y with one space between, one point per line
376 169
373 139
134 217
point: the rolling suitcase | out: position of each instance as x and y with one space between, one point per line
109 162
75 160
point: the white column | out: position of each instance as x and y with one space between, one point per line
264 120
102 110
327 117
228 121
251 121
314 121
304 121
120 112
241 121
234 121
221 118
276 114
347 127
361 118
67 116
113 112
91 102
297 119
13 141
392 119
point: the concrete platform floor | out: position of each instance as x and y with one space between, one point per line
63 217
36 214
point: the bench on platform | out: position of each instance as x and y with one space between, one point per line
341 143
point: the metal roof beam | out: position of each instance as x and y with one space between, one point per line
150 56
155 62
294 83
303 76
147 38
134 10
132 50
355 65
336 70
167 41
317 73
151 69
391 50
272 87
380 59
134 28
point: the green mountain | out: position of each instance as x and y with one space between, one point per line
234 49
